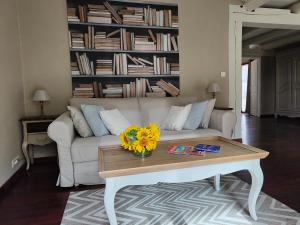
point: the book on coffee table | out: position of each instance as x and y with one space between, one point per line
184 150
208 148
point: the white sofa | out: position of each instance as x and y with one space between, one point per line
78 157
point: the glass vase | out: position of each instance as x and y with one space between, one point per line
143 154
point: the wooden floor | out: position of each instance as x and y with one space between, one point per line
34 199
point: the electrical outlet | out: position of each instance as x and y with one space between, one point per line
15 161
223 74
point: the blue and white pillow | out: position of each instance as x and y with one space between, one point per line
196 115
91 114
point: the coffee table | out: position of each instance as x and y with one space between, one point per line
120 168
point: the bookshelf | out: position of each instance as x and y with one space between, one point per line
123 48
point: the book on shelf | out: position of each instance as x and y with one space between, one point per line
175 21
86 66
72 16
166 42
76 39
89 90
104 66
161 66
82 11
143 43
168 87
74 68
175 70
140 70
116 17
132 15
120 64
156 92
84 91
101 41
98 14
89 37
113 91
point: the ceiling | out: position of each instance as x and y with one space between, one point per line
265 40
268 39
279 3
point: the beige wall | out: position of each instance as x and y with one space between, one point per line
44 39
203 54
11 90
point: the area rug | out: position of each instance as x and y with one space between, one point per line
191 203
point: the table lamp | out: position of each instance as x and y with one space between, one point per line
41 96
213 88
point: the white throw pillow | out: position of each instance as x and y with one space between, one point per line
176 117
79 122
114 121
207 114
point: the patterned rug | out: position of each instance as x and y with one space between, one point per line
192 203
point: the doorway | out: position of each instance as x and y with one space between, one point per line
260 18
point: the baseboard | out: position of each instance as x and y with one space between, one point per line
12 180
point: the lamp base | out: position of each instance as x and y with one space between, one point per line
42 108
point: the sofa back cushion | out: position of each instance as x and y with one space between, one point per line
155 110
129 107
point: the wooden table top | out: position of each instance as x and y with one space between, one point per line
115 161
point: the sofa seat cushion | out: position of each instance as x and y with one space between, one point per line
86 149
171 135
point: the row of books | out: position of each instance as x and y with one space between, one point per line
165 18
103 41
85 91
125 40
123 64
84 65
108 14
98 14
138 88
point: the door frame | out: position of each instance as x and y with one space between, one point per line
239 17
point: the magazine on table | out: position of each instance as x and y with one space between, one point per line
199 149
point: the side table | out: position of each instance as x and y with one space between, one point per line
35 133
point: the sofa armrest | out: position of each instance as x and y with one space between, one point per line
224 121
62 132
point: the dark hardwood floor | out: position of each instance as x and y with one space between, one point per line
281 168
35 200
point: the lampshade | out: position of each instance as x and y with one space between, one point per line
214 87
41 96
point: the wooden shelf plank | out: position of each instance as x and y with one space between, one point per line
145 3
122 26
122 51
125 76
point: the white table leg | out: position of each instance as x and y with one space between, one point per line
257 182
25 151
109 202
217 182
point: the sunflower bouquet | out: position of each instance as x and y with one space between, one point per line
140 140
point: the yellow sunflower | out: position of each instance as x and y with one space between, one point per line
124 141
